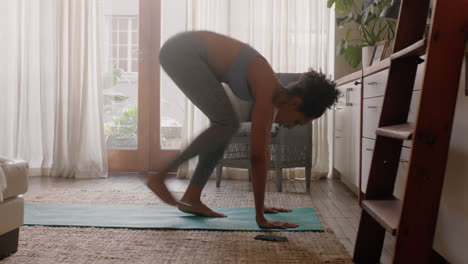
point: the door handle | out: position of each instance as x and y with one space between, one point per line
348 90
141 55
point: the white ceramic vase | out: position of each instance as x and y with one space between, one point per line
367 54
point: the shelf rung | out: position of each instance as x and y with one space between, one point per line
416 49
386 212
401 131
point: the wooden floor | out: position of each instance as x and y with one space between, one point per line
337 205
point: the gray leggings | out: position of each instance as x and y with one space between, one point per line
183 57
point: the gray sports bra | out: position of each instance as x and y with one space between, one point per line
237 75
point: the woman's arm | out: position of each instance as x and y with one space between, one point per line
264 83
260 139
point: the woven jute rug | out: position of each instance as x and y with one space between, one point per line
103 245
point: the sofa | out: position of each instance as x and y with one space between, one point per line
13 183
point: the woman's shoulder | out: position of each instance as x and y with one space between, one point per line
262 78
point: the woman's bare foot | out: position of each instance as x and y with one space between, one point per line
157 185
197 208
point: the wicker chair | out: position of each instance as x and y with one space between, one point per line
289 148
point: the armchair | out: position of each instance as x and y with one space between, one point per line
289 148
13 183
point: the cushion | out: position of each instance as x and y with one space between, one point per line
245 129
16 175
11 214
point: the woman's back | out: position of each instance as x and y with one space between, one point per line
221 51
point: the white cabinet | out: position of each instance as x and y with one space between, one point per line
368 150
347 133
341 136
374 86
452 231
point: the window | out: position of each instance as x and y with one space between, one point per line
120 88
122 43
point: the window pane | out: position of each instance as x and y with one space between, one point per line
115 36
134 65
115 51
123 65
115 24
134 56
123 37
120 88
123 24
123 52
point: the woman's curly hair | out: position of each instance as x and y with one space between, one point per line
316 91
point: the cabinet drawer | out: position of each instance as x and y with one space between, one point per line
340 118
367 151
371 110
400 182
419 76
375 84
340 152
346 90
402 173
413 113
341 97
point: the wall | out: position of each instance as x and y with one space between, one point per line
452 229
342 68
120 7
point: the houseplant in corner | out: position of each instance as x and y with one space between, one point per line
365 27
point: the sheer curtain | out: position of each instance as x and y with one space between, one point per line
50 86
292 35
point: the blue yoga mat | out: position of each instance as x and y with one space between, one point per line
160 217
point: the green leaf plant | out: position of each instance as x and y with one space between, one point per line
365 19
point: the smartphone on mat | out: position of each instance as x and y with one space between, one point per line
271 238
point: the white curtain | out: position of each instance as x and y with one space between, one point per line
50 86
293 35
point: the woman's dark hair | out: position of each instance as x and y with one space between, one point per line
316 91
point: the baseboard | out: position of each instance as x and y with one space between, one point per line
34 172
353 188
9 243
436 258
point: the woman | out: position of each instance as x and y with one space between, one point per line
198 62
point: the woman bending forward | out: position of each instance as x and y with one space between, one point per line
199 62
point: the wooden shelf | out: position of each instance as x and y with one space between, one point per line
386 212
417 49
401 131
380 66
350 77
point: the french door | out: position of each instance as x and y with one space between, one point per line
132 85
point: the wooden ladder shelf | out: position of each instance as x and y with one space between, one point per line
413 219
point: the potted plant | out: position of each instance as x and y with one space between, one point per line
366 21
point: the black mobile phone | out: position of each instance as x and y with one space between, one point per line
271 238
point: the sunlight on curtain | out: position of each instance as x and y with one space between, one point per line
28 80
50 81
173 21
292 35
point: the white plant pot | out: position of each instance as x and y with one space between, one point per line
367 54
